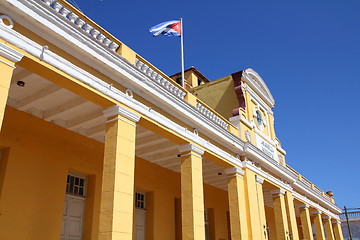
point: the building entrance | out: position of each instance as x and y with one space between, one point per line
73 215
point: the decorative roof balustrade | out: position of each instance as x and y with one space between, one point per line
211 114
158 77
352 216
306 182
82 23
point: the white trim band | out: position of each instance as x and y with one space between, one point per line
191 148
233 171
9 53
120 110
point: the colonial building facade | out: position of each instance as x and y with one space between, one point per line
97 143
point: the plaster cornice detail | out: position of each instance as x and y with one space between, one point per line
259 180
309 203
304 206
120 110
316 212
9 53
334 221
278 192
191 148
234 170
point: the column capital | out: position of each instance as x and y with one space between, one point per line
335 221
259 180
191 148
120 110
316 212
326 217
304 206
9 53
278 192
234 170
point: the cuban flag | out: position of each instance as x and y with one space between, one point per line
169 28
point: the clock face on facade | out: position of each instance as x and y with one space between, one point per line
259 118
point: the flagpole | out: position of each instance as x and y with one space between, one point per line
182 55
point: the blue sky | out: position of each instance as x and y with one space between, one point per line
306 51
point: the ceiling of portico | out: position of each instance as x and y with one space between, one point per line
52 103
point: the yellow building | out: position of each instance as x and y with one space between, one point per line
97 143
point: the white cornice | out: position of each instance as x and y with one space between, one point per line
234 171
279 191
304 206
9 53
120 110
316 212
307 202
259 180
191 148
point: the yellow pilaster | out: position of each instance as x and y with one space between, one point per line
337 230
328 228
117 195
253 205
260 197
237 206
282 230
291 217
319 229
192 193
8 58
306 222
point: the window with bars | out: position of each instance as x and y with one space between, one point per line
75 185
140 200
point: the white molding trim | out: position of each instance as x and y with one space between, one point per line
191 148
278 192
259 180
234 171
120 110
334 221
326 217
308 203
316 212
304 206
9 53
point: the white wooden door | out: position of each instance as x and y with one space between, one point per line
140 220
73 218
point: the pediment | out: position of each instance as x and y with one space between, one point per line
254 81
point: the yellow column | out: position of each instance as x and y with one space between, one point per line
237 205
306 222
117 196
8 58
291 217
282 230
319 230
328 228
253 205
260 197
192 193
337 230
